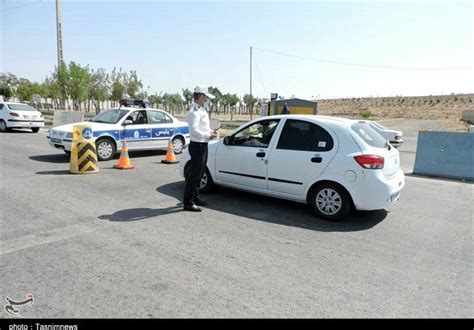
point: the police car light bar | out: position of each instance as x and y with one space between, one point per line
141 103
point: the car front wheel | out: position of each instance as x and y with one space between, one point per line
329 201
105 149
35 129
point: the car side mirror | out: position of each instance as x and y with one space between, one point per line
228 140
127 122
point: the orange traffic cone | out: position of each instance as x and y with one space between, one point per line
170 157
124 162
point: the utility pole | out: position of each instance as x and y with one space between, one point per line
251 98
59 36
59 31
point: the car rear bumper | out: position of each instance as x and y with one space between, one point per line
17 123
377 192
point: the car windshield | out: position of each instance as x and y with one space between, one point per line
110 116
370 136
21 107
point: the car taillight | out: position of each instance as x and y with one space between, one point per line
370 161
14 114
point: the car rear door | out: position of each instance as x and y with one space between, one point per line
162 128
303 151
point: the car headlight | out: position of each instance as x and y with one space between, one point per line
69 136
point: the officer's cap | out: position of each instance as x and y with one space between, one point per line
203 90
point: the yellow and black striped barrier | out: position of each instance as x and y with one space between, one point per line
83 152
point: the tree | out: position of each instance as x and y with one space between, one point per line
78 84
118 87
52 90
249 102
217 99
188 96
25 92
98 87
5 91
132 84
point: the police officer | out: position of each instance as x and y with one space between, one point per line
200 133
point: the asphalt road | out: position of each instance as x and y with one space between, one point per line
116 244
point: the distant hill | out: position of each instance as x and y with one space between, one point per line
447 108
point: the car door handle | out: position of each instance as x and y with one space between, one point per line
316 159
260 154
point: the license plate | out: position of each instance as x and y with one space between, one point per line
56 140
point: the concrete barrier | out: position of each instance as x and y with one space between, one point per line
445 154
468 116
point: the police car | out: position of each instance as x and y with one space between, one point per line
144 129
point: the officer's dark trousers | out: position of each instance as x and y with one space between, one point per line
198 152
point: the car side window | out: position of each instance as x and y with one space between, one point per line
158 117
1 106
138 117
304 136
256 135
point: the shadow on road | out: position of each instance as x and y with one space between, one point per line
55 158
140 213
276 211
58 172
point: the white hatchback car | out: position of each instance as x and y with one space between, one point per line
144 129
19 115
333 164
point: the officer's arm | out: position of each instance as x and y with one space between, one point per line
193 122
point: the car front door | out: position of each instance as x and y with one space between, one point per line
303 151
243 161
138 133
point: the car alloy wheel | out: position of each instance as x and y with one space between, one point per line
328 201
178 145
105 150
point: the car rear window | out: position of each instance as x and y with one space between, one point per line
369 135
21 107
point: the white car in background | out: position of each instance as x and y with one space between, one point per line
144 129
19 115
333 164
392 136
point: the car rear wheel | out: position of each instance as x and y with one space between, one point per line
105 149
3 126
178 145
35 129
329 201
206 184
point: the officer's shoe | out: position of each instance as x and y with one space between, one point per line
192 208
200 202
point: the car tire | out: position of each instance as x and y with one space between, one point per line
67 152
3 126
178 145
207 184
105 148
329 201
35 129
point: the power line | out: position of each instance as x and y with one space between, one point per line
260 76
358 64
